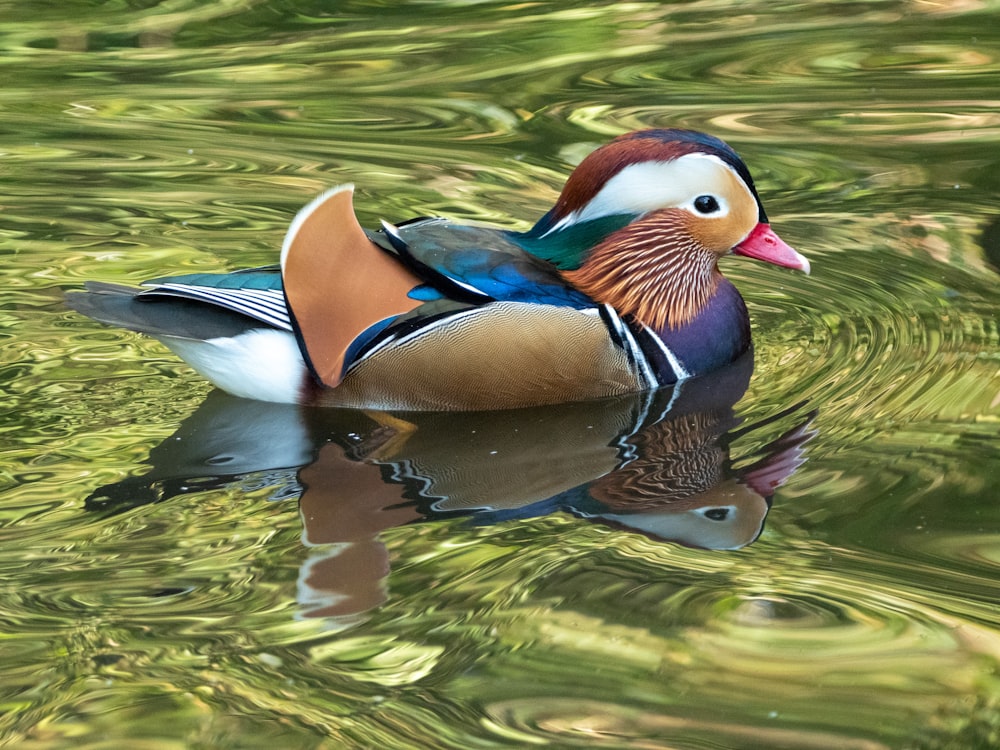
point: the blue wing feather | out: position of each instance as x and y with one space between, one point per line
467 264
479 262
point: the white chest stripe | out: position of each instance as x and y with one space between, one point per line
680 370
641 362
625 335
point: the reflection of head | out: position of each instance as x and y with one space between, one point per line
677 489
729 515
675 459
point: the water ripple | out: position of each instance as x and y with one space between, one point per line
183 136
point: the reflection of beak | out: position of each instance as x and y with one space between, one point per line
763 244
730 515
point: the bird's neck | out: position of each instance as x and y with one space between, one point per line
567 246
658 275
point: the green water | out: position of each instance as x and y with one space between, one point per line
183 570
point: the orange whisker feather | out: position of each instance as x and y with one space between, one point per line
652 269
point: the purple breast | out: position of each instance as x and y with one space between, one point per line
715 336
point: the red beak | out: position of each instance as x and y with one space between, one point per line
763 244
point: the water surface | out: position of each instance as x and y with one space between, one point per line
181 569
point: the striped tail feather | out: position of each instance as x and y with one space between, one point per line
185 318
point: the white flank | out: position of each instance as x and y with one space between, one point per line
262 364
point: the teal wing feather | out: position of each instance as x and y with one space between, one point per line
262 277
254 292
466 264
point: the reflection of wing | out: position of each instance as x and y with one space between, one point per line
655 463
513 458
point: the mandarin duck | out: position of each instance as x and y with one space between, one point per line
615 290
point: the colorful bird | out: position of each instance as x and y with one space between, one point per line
615 290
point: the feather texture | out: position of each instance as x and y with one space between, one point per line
653 270
615 290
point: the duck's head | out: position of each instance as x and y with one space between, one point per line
649 214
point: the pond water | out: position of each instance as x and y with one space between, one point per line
803 553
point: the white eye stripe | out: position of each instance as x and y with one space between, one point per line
652 185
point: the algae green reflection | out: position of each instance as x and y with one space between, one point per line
145 136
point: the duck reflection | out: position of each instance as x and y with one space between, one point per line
658 464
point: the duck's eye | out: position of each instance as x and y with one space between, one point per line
706 204
717 514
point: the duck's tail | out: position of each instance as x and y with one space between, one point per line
122 306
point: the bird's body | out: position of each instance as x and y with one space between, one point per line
615 290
